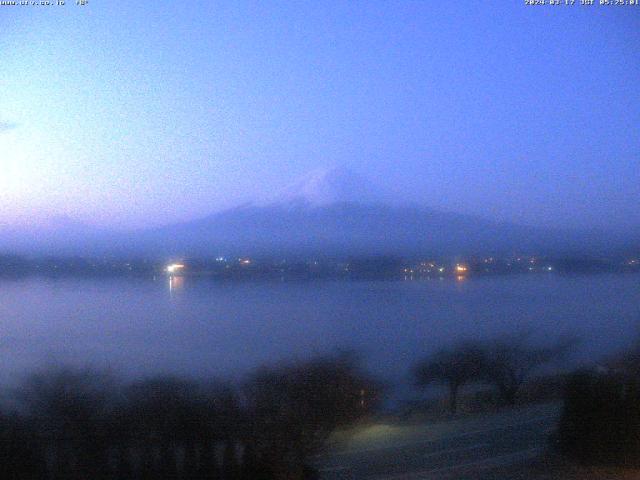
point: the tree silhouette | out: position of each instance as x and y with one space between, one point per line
511 359
74 424
71 410
453 367
293 408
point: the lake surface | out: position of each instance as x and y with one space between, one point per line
202 327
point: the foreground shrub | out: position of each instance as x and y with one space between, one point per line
600 423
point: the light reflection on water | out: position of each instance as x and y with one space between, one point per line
202 327
175 283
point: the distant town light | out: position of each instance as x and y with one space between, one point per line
174 267
461 268
245 261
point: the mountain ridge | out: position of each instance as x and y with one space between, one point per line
330 211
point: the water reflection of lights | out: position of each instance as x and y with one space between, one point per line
175 283
461 278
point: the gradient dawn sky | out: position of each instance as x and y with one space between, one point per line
143 113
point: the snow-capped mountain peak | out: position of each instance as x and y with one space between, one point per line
329 186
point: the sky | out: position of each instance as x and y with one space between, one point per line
131 114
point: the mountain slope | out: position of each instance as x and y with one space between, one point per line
335 211
344 227
329 212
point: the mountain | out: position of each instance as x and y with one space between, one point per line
329 186
328 212
336 211
336 228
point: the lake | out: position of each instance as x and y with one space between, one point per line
201 327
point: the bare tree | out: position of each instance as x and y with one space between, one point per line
453 367
293 409
511 359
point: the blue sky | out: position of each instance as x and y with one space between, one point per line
143 113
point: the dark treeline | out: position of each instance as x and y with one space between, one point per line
373 267
69 423
505 362
54 266
600 421
84 424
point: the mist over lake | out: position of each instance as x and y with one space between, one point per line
200 327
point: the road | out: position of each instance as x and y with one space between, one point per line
476 447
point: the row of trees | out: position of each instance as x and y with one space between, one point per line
78 424
505 362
